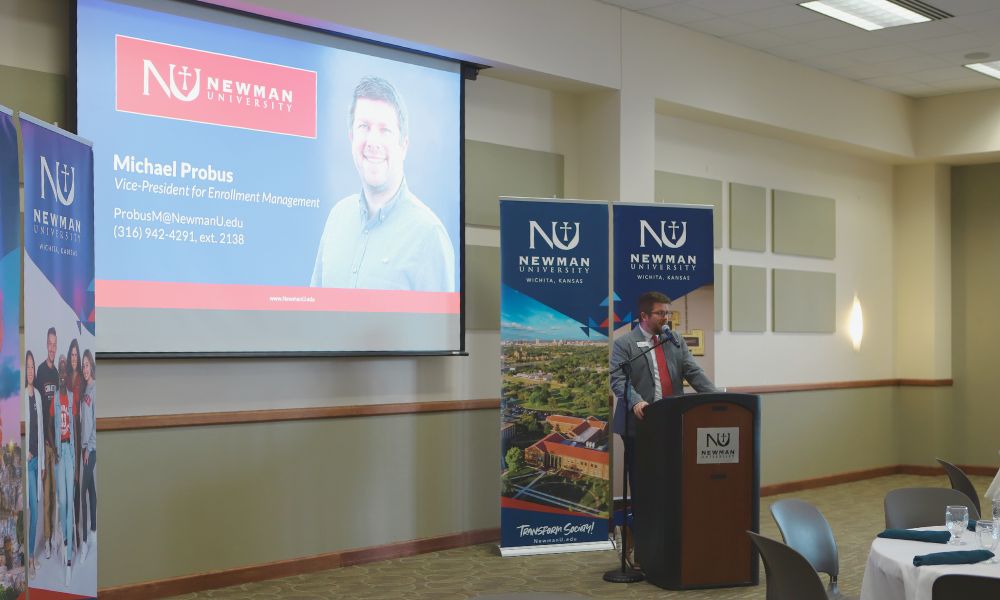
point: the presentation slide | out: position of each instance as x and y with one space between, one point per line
265 188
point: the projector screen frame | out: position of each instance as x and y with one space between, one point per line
466 70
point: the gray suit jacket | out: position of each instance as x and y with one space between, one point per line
680 364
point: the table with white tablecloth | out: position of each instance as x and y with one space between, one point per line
890 574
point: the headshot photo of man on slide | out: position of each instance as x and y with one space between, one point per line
384 237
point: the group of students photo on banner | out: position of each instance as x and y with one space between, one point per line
60 390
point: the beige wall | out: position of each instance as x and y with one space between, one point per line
922 270
812 434
975 411
200 499
927 427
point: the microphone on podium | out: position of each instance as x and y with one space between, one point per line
668 334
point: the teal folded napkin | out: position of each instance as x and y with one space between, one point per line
934 537
958 557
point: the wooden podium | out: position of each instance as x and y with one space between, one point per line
698 491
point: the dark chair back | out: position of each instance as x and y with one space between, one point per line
789 574
961 482
965 587
807 531
923 507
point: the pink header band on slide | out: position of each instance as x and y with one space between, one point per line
211 296
175 82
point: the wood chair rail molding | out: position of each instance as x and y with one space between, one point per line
289 414
402 408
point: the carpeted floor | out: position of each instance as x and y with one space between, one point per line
854 511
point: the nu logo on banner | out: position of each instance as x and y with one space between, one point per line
666 236
560 235
62 185
172 91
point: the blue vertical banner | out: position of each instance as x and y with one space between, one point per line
554 468
669 249
59 339
12 457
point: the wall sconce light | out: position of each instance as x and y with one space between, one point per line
856 324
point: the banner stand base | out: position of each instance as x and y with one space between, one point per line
555 548
627 576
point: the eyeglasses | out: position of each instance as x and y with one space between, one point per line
660 313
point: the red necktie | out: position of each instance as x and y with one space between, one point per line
666 388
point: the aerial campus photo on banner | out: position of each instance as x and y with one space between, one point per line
554 354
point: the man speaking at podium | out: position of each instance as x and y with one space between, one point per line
649 382
656 375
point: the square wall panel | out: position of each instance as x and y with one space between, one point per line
804 225
748 299
674 188
805 301
482 287
747 217
492 170
719 296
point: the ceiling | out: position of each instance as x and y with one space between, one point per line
920 60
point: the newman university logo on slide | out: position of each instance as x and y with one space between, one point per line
164 80
61 183
182 93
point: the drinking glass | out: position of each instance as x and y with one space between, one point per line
956 519
989 536
996 510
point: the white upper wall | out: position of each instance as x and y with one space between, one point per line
959 127
572 39
581 40
692 69
863 190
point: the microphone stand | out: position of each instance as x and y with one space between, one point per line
624 574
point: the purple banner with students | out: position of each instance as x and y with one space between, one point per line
669 249
60 371
12 478
554 466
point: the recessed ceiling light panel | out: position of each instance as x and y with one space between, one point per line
990 68
876 14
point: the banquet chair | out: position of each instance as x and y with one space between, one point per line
960 481
965 587
789 574
923 507
804 528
